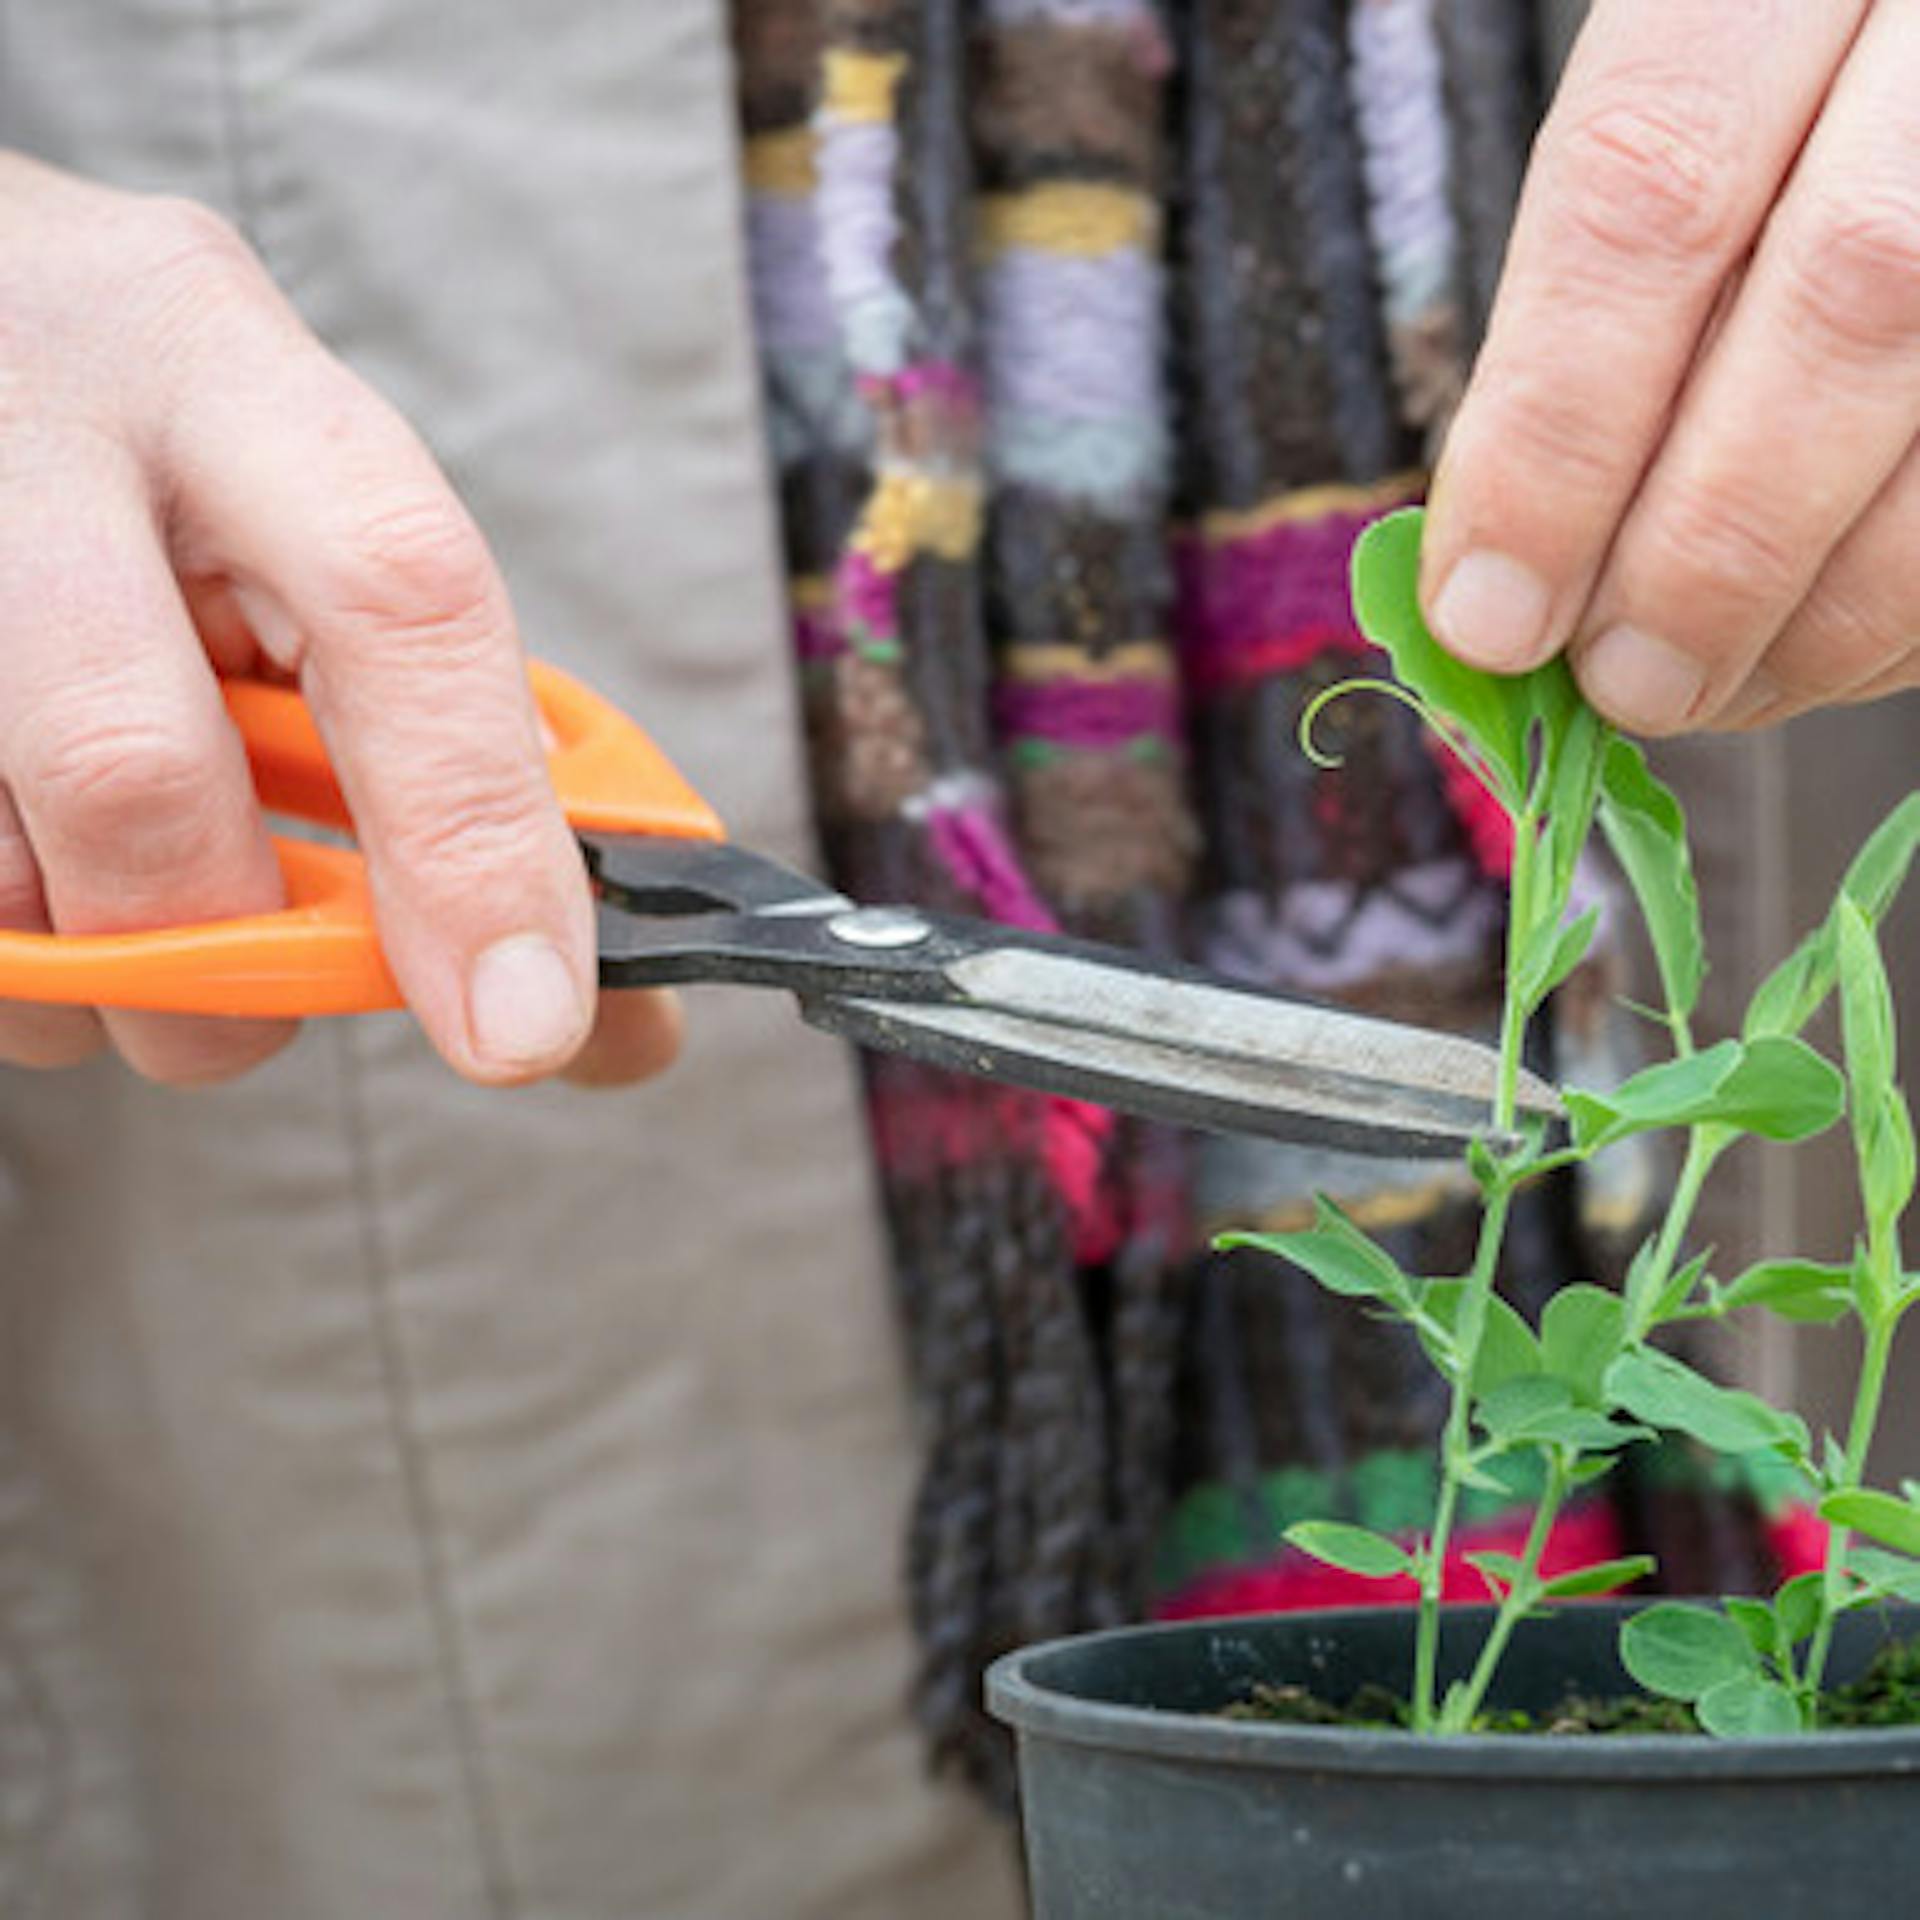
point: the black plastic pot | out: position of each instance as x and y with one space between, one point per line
1140 1805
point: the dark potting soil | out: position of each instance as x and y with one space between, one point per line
1886 1695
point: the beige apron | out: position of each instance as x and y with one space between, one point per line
415 1503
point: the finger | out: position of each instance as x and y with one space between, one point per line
1858 625
1806 405
1674 128
34 1036
128 778
635 1036
357 568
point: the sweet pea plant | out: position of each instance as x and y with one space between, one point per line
1568 1395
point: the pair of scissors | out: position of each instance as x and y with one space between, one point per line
680 903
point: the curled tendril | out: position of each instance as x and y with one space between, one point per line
1443 729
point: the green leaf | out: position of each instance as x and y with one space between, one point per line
1539 1410
1748 1708
1550 955
1352 1549
1866 1003
1755 1619
1777 1088
1493 712
1605 1576
1577 743
1499 1570
1682 1652
1809 1291
1508 1349
1665 1392
1581 1429
1509 1408
1882 1126
1677 1294
1894 1523
1879 870
1793 993
1580 1334
1886 1575
1647 831
1337 1254
1799 1604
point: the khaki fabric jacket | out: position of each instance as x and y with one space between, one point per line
417 1504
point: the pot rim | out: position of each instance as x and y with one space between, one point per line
1018 1692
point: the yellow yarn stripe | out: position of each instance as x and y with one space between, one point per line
911 513
1068 216
1309 503
811 592
1138 660
860 86
781 163
1378 1212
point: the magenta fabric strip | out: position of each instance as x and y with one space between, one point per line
1257 594
817 636
1089 714
977 854
867 599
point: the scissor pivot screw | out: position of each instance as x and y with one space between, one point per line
880 928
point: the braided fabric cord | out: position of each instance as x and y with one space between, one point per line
1094 331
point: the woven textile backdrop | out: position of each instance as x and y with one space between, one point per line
1093 332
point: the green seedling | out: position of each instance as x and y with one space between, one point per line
1568 1396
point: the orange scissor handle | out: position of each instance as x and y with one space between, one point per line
320 953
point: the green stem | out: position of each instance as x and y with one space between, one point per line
1704 1147
1521 1597
1471 1319
1470 1324
1860 1430
1513 1011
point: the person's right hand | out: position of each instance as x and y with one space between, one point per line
189 484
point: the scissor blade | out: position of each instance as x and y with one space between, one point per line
1195 1055
1253 1029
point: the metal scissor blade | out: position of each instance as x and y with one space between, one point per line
1258 1034
1280 1095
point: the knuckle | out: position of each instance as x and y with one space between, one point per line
1854 275
417 571
103 777
1545 428
1652 173
185 264
472 825
1841 638
1708 541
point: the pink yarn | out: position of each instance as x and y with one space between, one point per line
1294 1582
943 378
1798 1539
1091 714
977 855
1489 827
1280 589
817 636
866 598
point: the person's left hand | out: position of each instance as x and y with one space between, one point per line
1690 454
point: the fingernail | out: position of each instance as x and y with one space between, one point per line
523 1009
1641 682
1493 611
271 623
